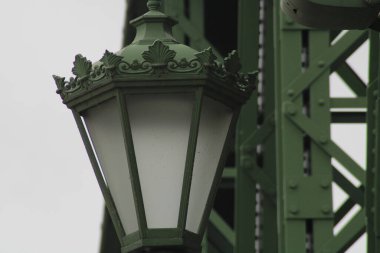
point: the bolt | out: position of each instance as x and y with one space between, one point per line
293 184
294 209
290 93
321 102
375 93
291 109
326 209
247 163
321 64
325 184
323 139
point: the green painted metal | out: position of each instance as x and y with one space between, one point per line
303 121
245 187
373 128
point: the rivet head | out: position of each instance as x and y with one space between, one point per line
294 209
323 139
292 184
321 102
291 109
290 93
321 64
247 163
326 209
325 184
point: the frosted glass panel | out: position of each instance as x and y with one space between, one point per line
104 126
213 128
160 126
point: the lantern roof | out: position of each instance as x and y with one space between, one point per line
155 55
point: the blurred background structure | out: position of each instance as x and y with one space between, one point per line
295 180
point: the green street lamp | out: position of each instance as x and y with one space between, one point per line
156 119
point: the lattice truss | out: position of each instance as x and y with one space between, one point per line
291 117
285 162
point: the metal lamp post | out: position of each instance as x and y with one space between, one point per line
156 119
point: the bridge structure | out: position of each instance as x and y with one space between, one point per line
277 193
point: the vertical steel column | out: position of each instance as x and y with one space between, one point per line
289 146
321 169
303 170
269 241
373 144
245 189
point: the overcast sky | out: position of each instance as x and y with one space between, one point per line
49 199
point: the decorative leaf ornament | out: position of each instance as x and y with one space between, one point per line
232 63
60 82
82 67
206 57
158 59
111 60
159 55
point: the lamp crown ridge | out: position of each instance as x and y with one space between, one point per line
160 60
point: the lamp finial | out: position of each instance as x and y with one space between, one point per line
154 5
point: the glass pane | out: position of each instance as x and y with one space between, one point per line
160 126
214 124
104 126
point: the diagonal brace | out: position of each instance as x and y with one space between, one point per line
331 57
323 141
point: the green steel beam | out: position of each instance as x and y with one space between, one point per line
269 240
373 145
245 189
320 164
347 236
342 103
328 60
303 121
321 138
352 79
289 147
228 233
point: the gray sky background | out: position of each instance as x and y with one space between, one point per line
49 199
